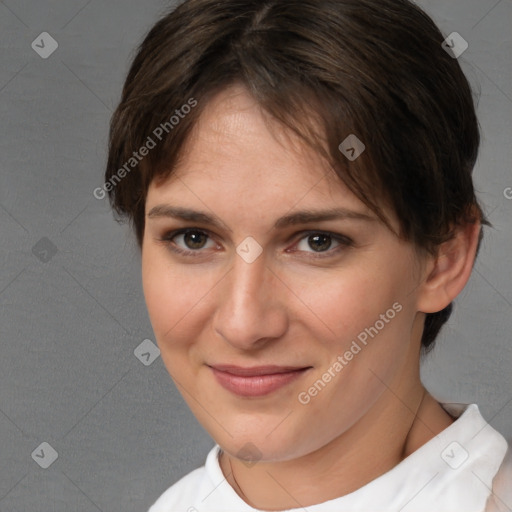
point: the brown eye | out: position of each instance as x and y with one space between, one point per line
320 242
189 242
195 239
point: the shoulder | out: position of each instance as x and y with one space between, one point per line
182 496
501 497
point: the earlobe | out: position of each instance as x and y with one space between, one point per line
449 271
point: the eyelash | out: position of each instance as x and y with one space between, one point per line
341 239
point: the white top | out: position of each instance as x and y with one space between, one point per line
453 472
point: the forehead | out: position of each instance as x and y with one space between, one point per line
239 149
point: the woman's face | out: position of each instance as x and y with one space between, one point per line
255 283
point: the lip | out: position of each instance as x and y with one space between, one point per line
257 380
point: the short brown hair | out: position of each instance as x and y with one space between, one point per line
373 68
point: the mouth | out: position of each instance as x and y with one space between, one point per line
256 381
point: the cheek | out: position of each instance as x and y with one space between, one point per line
167 297
347 302
176 298
369 318
363 337
364 318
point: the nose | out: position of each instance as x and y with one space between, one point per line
251 309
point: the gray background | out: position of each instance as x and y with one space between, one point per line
71 320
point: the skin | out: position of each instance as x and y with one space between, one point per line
290 308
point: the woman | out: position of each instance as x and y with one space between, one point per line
298 175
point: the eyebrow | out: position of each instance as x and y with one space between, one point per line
299 217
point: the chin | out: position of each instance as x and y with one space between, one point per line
256 445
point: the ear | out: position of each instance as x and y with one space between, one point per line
449 270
